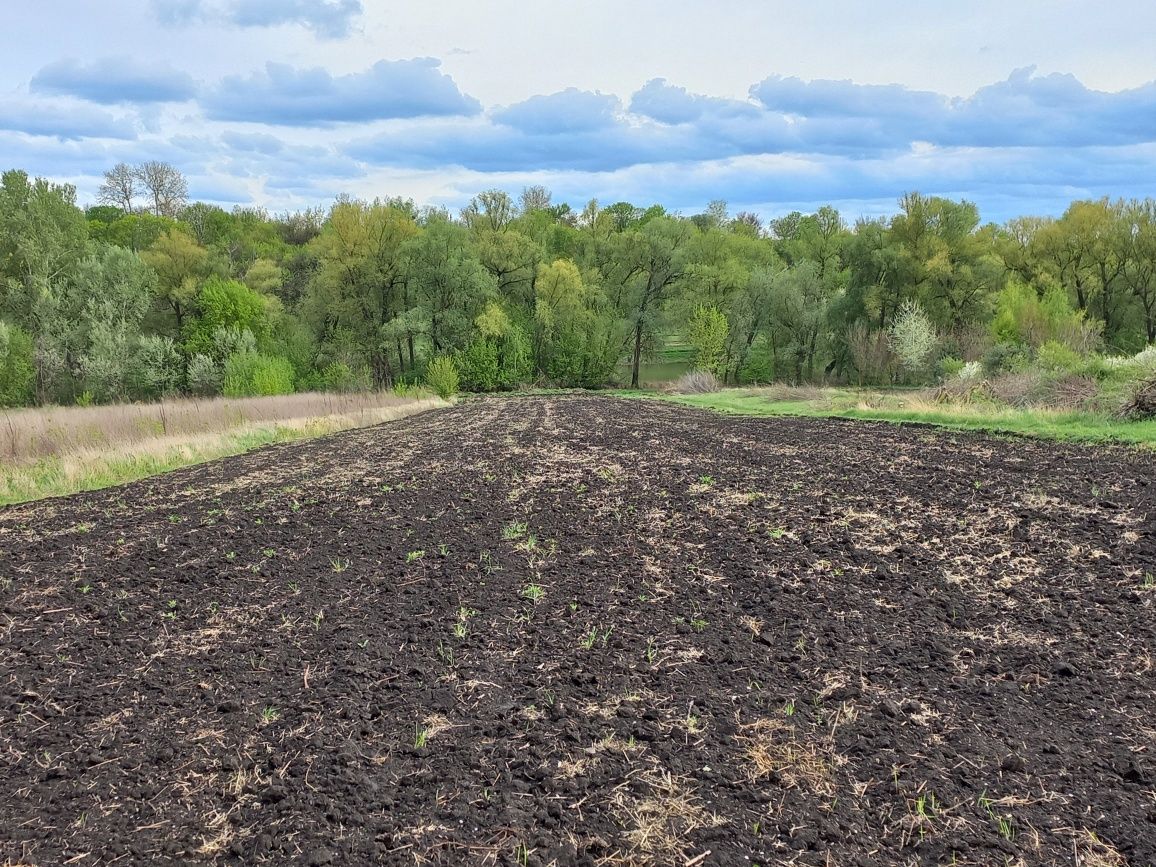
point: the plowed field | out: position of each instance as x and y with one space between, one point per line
589 631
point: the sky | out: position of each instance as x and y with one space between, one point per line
1021 106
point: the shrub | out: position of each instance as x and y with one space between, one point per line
1055 357
951 368
972 371
442 377
1025 317
225 304
499 357
708 336
272 375
156 368
340 376
479 367
1004 358
17 370
204 377
251 374
697 382
232 341
912 337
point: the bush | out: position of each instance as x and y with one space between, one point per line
708 336
341 377
871 352
204 377
224 304
697 382
1025 317
17 370
951 368
272 375
156 368
1005 358
251 374
1055 357
442 377
479 367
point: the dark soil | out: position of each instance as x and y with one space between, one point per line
589 631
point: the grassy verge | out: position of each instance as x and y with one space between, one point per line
88 469
898 406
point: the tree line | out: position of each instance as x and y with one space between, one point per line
145 294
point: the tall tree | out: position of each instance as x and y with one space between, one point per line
1139 264
120 187
361 285
493 210
164 184
534 198
181 265
449 284
43 236
647 265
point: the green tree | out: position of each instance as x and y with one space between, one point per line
707 334
644 267
181 265
225 304
17 371
117 289
43 236
576 341
157 367
447 283
442 376
362 284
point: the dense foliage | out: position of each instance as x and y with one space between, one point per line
118 302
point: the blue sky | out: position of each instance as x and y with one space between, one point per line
1018 105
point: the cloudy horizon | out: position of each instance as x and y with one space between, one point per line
287 104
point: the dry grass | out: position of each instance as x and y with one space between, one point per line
1093 852
63 450
660 811
41 432
773 749
696 382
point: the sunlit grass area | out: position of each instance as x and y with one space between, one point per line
915 406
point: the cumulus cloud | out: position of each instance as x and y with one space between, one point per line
285 95
327 18
293 133
1025 110
570 111
62 119
115 80
667 103
584 131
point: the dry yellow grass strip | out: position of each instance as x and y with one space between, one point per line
62 454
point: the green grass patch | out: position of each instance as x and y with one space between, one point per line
900 407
